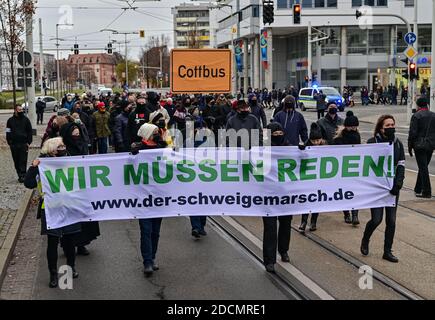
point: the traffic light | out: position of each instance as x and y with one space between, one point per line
405 74
268 12
109 48
76 49
296 14
413 71
142 33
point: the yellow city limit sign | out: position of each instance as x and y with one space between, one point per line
201 70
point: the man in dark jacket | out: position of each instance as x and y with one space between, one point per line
40 107
244 120
422 140
330 123
321 104
136 119
257 110
120 131
19 138
293 122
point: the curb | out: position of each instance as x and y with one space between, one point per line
11 239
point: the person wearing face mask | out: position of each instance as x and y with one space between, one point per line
330 123
139 116
65 235
245 120
293 122
120 130
19 138
103 132
74 138
275 237
149 228
385 133
349 135
314 140
257 110
158 119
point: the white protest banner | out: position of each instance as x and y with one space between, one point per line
261 182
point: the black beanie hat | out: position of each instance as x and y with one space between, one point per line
422 102
274 126
351 120
315 132
153 97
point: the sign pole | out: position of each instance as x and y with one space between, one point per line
432 84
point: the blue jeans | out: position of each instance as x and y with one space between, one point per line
198 222
103 144
149 239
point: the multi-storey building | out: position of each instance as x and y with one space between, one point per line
99 66
192 27
365 52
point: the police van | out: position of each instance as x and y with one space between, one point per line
307 97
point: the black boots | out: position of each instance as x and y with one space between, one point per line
355 220
388 255
347 218
82 251
148 270
285 257
313 226
365 247
303 226
270 268
54 279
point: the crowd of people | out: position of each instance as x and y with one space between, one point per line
129 122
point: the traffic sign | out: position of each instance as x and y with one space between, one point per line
24 58
410 38
410 53
21 72
21 82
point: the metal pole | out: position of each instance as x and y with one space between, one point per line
126 61
161 67
238 36
319 63
31 89
432 81
414 84
41 58
57 61
310 55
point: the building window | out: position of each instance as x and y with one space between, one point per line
371 3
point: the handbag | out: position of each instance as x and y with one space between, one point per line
424 143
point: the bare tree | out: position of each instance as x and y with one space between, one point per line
12 22
150 57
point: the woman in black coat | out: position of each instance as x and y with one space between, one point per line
66 235
77 145
385 133
349 135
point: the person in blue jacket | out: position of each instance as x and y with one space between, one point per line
293 122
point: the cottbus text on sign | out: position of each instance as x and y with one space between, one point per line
201 71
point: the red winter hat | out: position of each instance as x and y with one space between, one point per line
101 105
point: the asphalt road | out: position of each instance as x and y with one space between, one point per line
210 268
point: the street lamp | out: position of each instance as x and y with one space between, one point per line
126 49
57 50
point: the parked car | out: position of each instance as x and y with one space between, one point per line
51 104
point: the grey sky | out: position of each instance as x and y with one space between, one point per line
154 17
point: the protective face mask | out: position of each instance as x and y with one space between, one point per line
244 114
333 111
390 133
61 153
